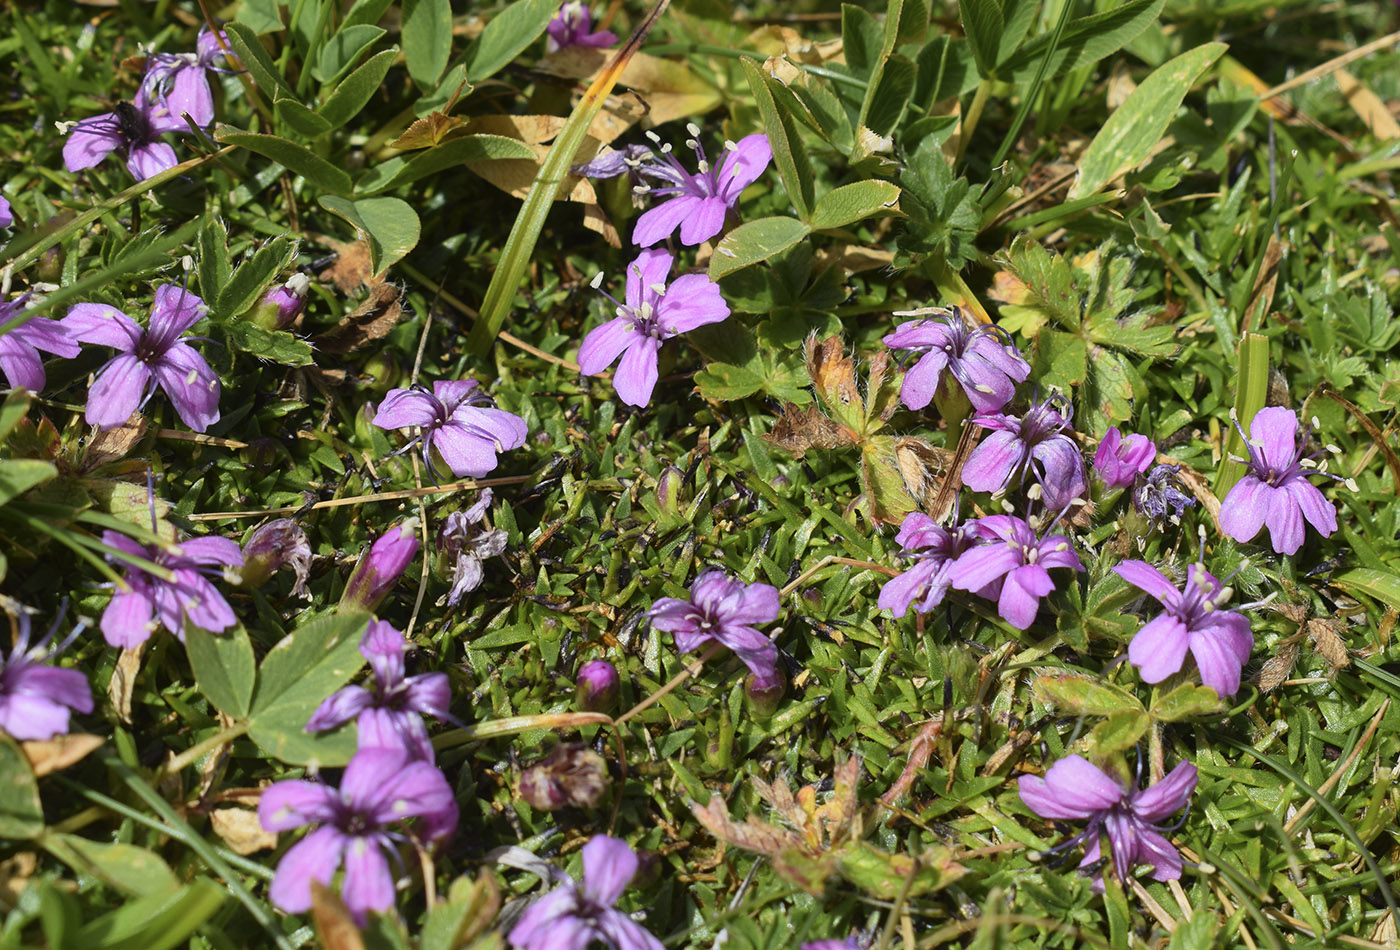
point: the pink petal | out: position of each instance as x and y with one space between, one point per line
921 382
1159 648
1313 504
293 803
146 161
990 465
983 565
103 325
704 221
1148 579
1285 522
1219 662
609 865
1072 788
1021 593
117 392
465 452
1168 796
21 364
190 383
693 300
1243 510
313 858
743 164
1275 429
175 310
91 141
660 221
604 344
638 371
368 884
651 267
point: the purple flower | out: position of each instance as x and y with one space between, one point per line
21 342
158 356
1014 571
574 916
725 609
134 128
598 685
381 566
981 360
1075 790
934 550
144 600
390 714
465 545
457 419
614 162
1276 491
1120 460
270 548
35 698
7 217
1220 640
380 788
282 304
699 202
180 81
653 313
573 26
1036 443
1161 496
850 943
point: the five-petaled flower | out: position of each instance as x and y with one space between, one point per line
576 916
157 356
653 313
380 788
1073 789
389 714
145 600
1012 567
1120 459
573 26
457 419
1220 640
698 202
1037 444
21 342
982 361
933 549
134 128
1276 491
724 609
36 699
180 81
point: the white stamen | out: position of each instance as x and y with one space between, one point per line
659 289
984 388
653 136
730 146
704 167
191 377
1334 449
1316 424
666 149
693 129
1034 492
1351 484
597 280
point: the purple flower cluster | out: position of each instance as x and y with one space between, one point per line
463 543
380 567
21 342
725 610
1275 492
573 26
1119 460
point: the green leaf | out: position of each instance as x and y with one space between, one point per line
427 39
789 154
389 224
301 119
223 666
1059 360
17 476
1251 392
507 35
755 241
343 50
255 59
126 867
1082 696
469 907
157 922
1119 732
1085 41
450 154
1140 122
1185 702
356 89
253 277
854 202
861 39
260 16
275 345
295 158
12 410
214 266
1197 933
298 673
21 815
983 25
886 100
366 11
1382 585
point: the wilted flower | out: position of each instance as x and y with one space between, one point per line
273 546
464 543
390 713
983 361
36 699
1074 789
614 162
724 609
698 202
381 566
934 550
598 686
1160 495
574 917
1013 567
132 127
458 419
380 788
1276 491
1119 460
20 344
573 26
145 601
570 774
180 81
157 356
1220 640
653 313
1036 444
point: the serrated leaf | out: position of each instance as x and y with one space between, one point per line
1185 702
389 224
295 158
755 241
1119 732
253 277
223 666
854 202
1082 696
427 39
356 89
275 345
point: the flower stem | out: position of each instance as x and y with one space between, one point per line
200 749
676 680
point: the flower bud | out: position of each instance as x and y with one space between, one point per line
571 774
380 567
270 548
281 305
1119 459
763 692
597 687
668 492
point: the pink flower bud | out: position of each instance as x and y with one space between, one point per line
380 567
763 692
281 305
597 686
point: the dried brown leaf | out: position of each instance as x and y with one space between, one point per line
919 751
831 371
433 129
1278 667
333 922
111 445
351 269
370 321
751 834
54 755
241 830
1326 638
15 873
800 429
122 685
